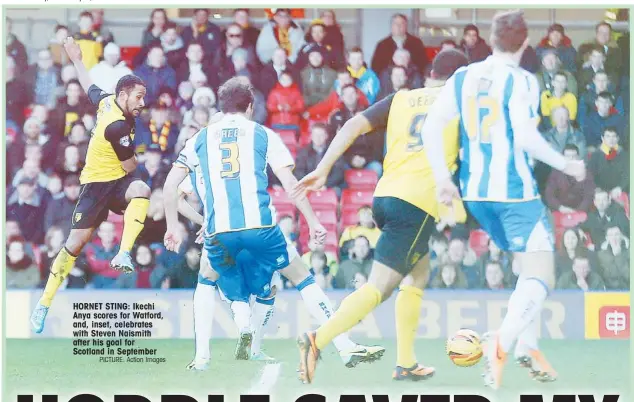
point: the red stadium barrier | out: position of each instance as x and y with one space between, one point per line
323 200
352 200
479 241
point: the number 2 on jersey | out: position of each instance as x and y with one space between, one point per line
491 110
415 142
230 162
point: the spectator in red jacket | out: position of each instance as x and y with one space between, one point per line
98 256
557 40
324 108
567 194
285 103
473 45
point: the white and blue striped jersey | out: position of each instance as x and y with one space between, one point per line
495 99
228 162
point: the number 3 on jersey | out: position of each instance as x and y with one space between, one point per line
230 162
415 143
483 111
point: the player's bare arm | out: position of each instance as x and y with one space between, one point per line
130 165
289 182
185 209
74 54
351 130
176 175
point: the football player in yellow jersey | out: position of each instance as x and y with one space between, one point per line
106 184
405 208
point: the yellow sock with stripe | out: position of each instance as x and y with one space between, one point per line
352 310
133 222
62 265
408 305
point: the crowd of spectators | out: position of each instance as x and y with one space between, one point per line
308 83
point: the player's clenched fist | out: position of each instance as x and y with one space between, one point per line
72 48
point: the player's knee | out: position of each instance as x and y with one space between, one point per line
207 272
139 189
76 241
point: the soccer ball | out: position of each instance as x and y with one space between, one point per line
464 348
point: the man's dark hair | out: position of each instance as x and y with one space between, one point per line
235 95
509 30
348 86
447 62
581 253
401 68
171 25
237 10
448 42
320 125
73 81
127 83
471 27
603 24
606 95
571 147
355 49
192 43
86 14
399 15
611 129
362 237
206 10
60 26
601 72
561 73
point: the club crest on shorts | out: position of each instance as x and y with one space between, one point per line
77 217
415 258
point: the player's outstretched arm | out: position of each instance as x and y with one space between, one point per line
170 201
74 54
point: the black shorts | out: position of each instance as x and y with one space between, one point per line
405 233
97 199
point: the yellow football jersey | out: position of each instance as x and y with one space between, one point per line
112 140
407 174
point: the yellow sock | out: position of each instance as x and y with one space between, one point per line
407 306
62 265
352 310
133 221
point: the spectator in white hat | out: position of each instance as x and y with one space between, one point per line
107 73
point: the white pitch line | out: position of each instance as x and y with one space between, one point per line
270 374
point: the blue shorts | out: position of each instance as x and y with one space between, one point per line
246 279
515 226
232 256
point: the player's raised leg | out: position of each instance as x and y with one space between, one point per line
204 305
137 196
408 304
62 265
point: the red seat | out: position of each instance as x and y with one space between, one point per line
624 201
479 241
326 199
361 179
431 52
349 218
328 218
280 198
569 220
304 139
352 200
289 137
128 53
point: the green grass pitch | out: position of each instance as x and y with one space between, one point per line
42 366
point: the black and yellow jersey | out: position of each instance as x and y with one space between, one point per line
91 50
407 174
111 141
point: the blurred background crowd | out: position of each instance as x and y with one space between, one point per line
308 82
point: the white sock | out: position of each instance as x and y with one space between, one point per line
527 340
261 314
524 306
321 309
241 315
204 302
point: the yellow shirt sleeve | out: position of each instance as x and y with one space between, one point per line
570 102
545 103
